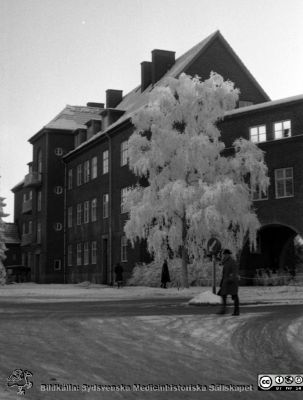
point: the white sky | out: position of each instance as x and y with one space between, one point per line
55 52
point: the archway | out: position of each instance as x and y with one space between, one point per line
275 252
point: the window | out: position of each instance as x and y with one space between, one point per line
79 214
124 153
124 192
79 175
257 134
39 161
24 198
70 255
57 265
39 232
58 226
30 227
94 252
123 249
79 253
31 195
94 167
86 171
105 162
105 205
58 189
23 228
259 195
70 217
70 179
282 129
86 254
58 151
284 182
86 212
94 210
39 200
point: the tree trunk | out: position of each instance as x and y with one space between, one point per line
184 254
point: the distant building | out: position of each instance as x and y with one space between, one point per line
69 206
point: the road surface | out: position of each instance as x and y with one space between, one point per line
119 344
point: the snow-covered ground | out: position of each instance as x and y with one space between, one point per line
85 291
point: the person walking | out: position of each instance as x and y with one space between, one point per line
119 274
164 275
230 282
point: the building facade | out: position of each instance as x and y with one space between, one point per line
69 208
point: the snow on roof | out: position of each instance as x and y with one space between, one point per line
267 104
11 235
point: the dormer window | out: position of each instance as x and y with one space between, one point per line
282 129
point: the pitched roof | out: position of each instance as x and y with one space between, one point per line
136 99
11 235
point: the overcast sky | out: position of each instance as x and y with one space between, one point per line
58 52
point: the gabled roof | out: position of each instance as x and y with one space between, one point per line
136 99
11 235
18 186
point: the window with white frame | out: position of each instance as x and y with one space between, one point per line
58 226
79 253
123 249
124 192
70 179
105 162
79 175
284 183
58 189
39 200
70 255
257 134
105 205
94 167
282 129
70 217
94 252
86 212
258 194
58 151
39 232
79 213
94 210
124 153
86 253
86 171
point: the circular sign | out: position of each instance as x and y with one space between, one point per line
213 246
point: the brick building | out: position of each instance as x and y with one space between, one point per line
69 206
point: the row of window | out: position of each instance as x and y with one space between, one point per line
86 252
89 169
27 229
87 211
281 129
284 185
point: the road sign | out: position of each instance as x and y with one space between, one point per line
213 246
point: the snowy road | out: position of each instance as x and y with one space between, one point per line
148 342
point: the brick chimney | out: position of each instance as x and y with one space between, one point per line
162 61
146 75
113 97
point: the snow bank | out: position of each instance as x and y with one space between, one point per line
206 298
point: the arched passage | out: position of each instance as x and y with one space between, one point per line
275 252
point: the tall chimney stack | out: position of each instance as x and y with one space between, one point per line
162 61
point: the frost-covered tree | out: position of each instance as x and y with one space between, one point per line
2 243
195 191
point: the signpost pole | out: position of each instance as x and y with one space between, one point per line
214 274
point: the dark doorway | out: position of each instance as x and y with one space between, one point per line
274 252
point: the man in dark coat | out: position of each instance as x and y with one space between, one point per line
119 274
164 275
230 282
